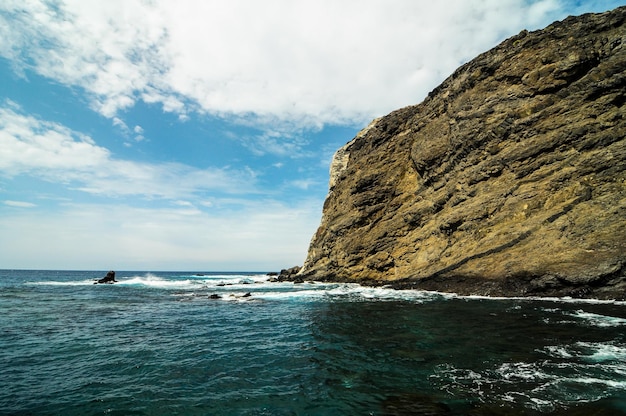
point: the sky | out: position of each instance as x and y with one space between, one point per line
197 134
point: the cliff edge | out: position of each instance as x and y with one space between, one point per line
508 179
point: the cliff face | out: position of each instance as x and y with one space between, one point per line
508 179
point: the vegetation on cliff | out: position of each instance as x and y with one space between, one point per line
509 179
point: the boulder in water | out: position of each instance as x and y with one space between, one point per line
109 278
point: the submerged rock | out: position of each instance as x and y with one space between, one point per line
509 179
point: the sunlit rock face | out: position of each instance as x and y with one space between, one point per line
509 179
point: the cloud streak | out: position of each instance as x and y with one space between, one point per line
19 204
305 63
54 153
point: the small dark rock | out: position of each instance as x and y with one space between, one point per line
215 296
109 278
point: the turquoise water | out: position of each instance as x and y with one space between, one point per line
157 344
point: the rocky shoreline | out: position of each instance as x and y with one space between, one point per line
610 287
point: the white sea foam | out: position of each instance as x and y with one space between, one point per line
150 280
409 294
521 371
599 320
350 291
603 351
558 351
262 287
155 281
565 299
285 295
594 369
594 352
615 384
541 403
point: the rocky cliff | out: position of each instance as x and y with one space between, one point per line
508 179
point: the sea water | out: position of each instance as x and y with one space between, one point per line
159 344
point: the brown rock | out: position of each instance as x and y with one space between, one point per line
509 179
289 274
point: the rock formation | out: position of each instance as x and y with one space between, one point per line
109 278
290 274
508 179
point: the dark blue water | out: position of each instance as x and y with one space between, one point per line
156 344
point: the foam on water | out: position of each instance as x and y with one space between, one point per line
565 299
543 386
312 347
156 282
599 320
579 367
333 292
558 351
576 372
602 352
152 280
264 288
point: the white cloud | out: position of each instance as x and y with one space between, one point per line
19 204
55 153
30 144
118 122
126 131
276 142
303 184
263 235
307 63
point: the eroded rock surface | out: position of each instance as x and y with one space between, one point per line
509 179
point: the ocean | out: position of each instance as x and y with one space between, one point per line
159 343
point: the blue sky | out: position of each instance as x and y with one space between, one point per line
197 135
